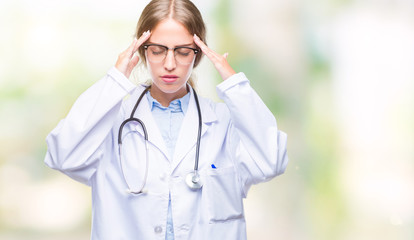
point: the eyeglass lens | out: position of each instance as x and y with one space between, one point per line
157 54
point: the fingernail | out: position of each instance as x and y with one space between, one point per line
196 36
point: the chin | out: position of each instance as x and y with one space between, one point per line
170 88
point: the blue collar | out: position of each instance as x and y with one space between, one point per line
177 105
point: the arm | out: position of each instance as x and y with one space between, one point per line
74 145
77 143
256 145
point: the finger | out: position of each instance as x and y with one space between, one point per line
136 43
213 56
198 42
130 49
204 48
219 61
134 61
144 37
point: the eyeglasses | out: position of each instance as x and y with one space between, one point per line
156 53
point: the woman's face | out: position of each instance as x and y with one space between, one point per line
169 76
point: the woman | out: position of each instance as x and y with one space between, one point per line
169 197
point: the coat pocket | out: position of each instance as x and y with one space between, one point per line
223 195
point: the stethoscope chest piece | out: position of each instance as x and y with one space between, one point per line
193 181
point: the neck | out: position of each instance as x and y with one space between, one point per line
166 98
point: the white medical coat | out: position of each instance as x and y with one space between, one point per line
240 137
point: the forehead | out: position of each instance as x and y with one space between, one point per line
170 33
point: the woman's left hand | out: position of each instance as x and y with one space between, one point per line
219 61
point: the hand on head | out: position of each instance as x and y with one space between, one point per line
129 58
219 61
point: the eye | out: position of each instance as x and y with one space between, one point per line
157 50
183 51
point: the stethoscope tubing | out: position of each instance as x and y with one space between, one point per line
193 181
142 188
199 132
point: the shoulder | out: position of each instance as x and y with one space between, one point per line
131 99
218 109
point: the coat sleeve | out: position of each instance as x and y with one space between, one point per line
256 145
74 146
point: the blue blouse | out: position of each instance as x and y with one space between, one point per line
169 121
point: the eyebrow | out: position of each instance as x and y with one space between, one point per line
181 45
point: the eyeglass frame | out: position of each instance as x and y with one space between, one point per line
159 45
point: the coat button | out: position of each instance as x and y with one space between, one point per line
158 229
185 227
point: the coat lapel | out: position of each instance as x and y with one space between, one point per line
187 137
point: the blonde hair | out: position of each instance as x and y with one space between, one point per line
183 11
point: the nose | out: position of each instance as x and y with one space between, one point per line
169 62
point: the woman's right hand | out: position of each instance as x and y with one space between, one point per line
128 59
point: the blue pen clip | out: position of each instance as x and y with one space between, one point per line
212 166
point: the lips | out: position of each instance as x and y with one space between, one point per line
169 78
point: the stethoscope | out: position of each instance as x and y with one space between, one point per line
193 178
